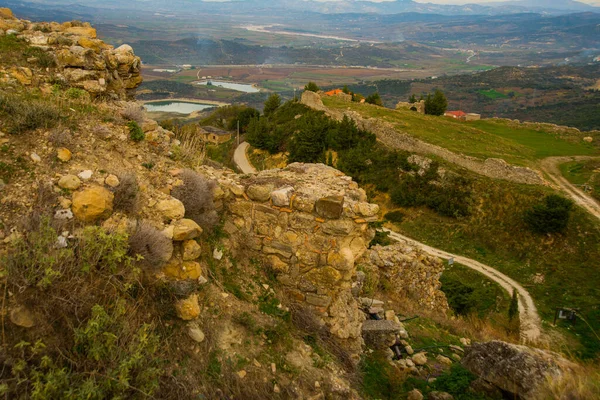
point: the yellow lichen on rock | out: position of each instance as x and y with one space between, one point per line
92 203
188 309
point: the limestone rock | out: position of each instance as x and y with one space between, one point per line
195 332
330 207
63 154
439 396
366 209
188 309
182 270
70 182
85 175
191 250
63 215
112 181
415 394
380 334
419 359
281 197
92 203
22 316
186 229
35 158
444 360
260 193
171 209
82 31
588 139
520 370
6 13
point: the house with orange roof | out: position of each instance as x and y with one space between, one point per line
333 92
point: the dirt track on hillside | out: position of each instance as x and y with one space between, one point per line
550 167
531 327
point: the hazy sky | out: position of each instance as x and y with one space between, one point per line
541 2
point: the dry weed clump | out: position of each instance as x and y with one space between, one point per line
133 112
151 244
127 194
101 131
60 137
196 194
581 384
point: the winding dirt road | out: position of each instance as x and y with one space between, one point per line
240 159
550 167
531 327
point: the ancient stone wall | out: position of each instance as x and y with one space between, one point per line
409 273
79 59
419 106
309 224
386 133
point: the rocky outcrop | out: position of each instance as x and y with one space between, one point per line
309 224
418 106
74 56
516 369
410 273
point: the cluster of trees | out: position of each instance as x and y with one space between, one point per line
310 136
551 216
304 133
435 104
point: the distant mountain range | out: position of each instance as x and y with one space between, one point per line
239 7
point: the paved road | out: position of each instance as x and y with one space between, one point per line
550 167
241 160
531 328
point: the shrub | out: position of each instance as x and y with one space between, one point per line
381 238
28 114
127 193
74 93
374 99
196 194
311 87
60 137
394 216
110 359
133 112
101 131
135 131
151 244
550 217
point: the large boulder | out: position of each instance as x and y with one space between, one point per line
516 369
92 203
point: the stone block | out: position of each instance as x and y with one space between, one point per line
186 229
281 249
260 192
330 207
338 227
281 197
318 300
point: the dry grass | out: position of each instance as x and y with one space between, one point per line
582 384
151 244
60 137
127 194
133 112
196 194
192 149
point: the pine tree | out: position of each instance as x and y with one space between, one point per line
513 309
311 87
272 104
374 99
412 99
436 104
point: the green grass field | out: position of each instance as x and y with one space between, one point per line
493 94
584 173
481 139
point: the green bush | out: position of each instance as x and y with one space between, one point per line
381 238
110 359
75 93
394 216
135 131
550 217
312 87
374 99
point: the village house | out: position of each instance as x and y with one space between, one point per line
214 135
462 116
